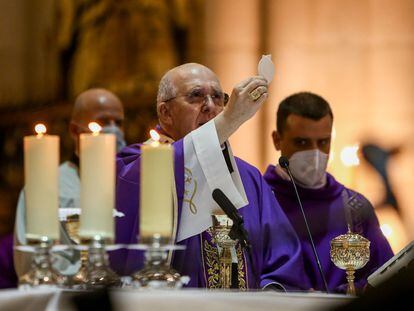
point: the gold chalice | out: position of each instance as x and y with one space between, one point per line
72 225
221 229
350 252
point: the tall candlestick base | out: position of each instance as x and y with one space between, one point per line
80 279
41 273
99 274
157 273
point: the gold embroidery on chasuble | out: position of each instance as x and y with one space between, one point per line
212 263
190 186
241 272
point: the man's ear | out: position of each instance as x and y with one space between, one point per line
276 140
164 113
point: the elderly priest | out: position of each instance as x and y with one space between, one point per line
193 116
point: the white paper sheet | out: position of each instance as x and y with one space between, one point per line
266 68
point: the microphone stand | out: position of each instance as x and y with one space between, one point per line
284 162
238 232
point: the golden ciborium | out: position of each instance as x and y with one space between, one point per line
350 252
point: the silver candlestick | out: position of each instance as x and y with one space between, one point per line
41 273
99 274
157 273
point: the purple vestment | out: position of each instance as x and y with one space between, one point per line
275 246
8 277
326 215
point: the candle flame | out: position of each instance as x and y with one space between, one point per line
94 127
349 155
154 135
40 129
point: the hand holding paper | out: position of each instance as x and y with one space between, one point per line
241 107
246 99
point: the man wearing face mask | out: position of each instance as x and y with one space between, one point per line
303 135
93 105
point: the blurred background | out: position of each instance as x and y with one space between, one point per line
358 54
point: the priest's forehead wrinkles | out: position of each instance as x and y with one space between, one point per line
205 82
210 86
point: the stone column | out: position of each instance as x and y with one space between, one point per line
232 31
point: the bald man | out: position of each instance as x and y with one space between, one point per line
101 106
198 118
94 105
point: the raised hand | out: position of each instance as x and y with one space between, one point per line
246 99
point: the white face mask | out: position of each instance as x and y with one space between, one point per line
309 168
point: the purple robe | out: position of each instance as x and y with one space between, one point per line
8 277
276 249
325 211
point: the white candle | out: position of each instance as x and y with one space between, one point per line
97 175
156 204
349 157
41 169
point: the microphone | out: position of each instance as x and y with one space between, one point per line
237 231
284 163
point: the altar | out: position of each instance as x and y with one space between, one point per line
161 300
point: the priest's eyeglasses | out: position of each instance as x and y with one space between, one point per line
200 97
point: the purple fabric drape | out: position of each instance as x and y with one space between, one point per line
8 277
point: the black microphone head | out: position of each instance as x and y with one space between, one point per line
218 195
284 162
226 205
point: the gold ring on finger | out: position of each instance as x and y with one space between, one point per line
255 94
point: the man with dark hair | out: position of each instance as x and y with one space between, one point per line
304 126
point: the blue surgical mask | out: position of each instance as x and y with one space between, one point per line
119 134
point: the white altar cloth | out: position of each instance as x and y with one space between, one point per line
178 300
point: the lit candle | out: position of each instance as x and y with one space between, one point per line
41 169
97 175
157 173
349 157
